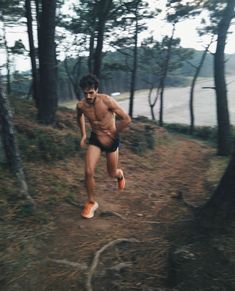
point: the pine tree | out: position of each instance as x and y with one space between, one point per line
221 13
97 21
47 62
134 19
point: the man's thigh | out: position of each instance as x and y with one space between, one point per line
92 156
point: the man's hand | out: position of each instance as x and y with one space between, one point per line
83 142
110 134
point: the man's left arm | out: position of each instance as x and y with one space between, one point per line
124 118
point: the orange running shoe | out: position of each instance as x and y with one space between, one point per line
121 182
89 209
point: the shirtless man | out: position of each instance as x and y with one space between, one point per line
100 110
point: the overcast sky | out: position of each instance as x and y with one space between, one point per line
186 31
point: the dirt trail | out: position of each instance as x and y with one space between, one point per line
158 183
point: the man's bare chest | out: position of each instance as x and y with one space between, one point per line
96 112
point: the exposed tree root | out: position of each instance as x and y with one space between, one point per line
165 222
112 213
97 256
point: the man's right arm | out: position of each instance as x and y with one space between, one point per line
82 125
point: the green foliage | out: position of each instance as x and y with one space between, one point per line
138 143
42 145
142 137
190 9
13 9
155 55
47 148
149 136
178 10
25 209
206 133
20 84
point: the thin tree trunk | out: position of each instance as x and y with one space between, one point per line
134 69
8 58
74 76
191 100
10 145
162 86
164 75
90 61
224 131
32 53
152 112
150 103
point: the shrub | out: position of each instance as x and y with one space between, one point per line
207 133
141 139
177 127
48 146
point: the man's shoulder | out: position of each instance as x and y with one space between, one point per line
80 105
106 98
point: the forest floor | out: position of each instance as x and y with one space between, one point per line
142 238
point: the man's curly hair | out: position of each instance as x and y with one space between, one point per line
89 81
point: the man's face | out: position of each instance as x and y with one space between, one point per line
90 95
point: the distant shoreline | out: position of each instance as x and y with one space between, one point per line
176 103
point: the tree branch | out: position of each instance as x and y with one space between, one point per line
97 257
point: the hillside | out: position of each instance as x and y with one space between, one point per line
55 249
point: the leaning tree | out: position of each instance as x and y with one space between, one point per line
219 210
10 146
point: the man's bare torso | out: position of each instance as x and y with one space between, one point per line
100 117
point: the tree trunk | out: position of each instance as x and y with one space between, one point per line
163 77
220 207
151 104
8 58
134 69
38 12
197 72
104 9
47 64
224 131
74 76
32 53
162 87
98 50
90 61
10 145
152 112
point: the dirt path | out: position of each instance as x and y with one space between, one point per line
61 249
